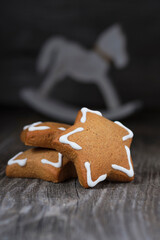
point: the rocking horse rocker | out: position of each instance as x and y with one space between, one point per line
71 59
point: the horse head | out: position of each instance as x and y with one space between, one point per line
112 42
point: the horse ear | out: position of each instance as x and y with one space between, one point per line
108 36
114 27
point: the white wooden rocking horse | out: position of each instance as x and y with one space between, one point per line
60 58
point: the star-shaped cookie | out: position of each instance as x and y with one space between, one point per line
46 164
41 134
98 147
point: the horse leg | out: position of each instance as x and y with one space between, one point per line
109 93
49 82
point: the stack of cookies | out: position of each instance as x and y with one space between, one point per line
93 148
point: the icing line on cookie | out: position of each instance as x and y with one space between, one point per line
32 127
20 162
62 128
27 126
57 164
89 178
129 172
84 111
64 138
130 133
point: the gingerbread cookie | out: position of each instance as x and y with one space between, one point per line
41 134
98 147
46 164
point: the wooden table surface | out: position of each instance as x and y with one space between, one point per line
35 209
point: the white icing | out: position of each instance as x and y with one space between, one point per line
32 127
89 178
27 126
130 133
57 164
64 138
20 162
62 128
129 172
84 113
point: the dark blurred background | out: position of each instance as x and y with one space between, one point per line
26 25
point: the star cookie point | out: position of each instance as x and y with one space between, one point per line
45 164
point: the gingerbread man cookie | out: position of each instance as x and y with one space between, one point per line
41 134
98 147
46 164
